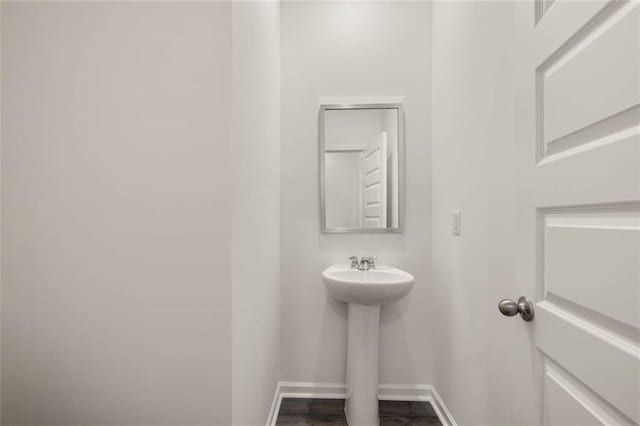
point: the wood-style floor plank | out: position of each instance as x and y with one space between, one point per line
330 412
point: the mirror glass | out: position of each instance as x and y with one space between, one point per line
360 168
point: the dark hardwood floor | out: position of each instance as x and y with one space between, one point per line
325 412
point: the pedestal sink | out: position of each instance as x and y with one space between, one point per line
364 291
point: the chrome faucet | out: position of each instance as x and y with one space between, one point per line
364 264
367 263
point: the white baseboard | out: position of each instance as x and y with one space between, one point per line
386 392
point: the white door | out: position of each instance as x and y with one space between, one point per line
578 210
374 183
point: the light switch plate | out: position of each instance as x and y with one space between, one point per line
456 222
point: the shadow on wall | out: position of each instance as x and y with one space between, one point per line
395 315
332 308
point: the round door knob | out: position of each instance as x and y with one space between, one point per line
523 306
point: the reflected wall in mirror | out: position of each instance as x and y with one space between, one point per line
361 168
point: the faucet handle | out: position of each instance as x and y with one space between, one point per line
354 261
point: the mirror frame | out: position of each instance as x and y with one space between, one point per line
401 171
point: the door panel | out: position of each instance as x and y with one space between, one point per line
573 100
569 402
592 354
592 258
578 157
374 183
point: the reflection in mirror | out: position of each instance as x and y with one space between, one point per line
360 168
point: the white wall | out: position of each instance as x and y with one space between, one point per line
1 222
256 209
1 267
116 178
354 129
472 172
352 49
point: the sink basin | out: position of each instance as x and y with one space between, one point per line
373 287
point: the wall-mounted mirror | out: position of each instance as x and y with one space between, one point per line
361 185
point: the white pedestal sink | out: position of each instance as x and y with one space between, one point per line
364 291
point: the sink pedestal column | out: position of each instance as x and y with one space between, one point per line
361 406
